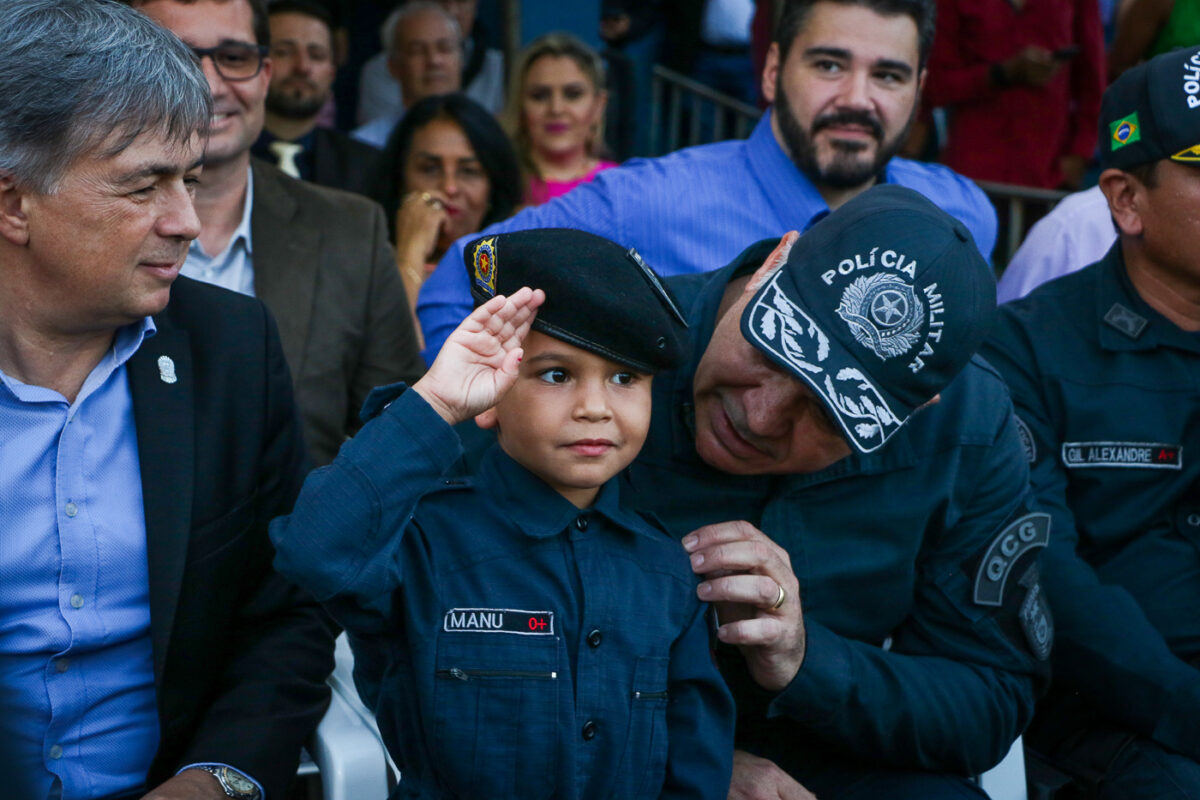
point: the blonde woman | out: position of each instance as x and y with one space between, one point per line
556 115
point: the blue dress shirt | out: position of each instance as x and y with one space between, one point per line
232 268
693 211
377 131
79 708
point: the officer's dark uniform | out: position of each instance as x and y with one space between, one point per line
926 635
511 644
886 546
1108 396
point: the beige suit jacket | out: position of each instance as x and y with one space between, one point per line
323 266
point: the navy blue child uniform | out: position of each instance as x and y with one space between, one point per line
511 644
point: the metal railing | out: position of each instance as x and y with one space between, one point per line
684 113
1021 204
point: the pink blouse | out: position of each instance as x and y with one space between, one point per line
539 191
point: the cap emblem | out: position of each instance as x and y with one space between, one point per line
783 330
883 313
484 259
1125 131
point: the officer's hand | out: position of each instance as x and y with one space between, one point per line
757 778
478 362
744 572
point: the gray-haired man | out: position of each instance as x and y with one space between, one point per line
146 647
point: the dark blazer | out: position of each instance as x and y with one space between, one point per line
330 158
240 655
323 265
341 162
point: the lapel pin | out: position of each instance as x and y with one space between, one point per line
166 369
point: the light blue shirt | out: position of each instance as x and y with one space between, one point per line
727 22
377 131
78 711
693 211
233 268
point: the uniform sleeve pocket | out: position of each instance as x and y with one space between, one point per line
496 714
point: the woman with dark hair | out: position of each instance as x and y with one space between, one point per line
448 170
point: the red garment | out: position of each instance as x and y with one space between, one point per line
1016 134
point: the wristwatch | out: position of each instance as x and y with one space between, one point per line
234 783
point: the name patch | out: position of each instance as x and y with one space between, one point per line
1140 455
1027 533
499 620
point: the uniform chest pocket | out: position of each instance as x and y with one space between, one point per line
495 714
644 767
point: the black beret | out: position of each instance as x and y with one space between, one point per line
600 296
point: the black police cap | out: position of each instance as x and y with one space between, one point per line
600 296
877 308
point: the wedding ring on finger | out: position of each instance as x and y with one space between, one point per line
430 200
780 599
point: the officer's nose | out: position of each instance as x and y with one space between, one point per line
773 406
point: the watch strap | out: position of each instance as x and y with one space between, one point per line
221 773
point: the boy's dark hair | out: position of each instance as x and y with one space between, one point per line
923 13
492 147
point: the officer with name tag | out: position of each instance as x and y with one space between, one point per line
848 480
518 632
1104 368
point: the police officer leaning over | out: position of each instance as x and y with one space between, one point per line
859 506
1104 367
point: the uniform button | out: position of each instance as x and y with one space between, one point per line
1194 520
71 509
63 664
581 523
76 601
55 752
589 730
594 638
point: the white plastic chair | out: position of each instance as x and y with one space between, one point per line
1006 780
347 748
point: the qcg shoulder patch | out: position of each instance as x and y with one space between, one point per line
1024 534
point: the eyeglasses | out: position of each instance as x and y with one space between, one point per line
234 61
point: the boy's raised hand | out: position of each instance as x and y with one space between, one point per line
478 362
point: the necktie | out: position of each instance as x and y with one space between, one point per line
285 155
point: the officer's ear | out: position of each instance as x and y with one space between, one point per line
1126 199
487 419
773 262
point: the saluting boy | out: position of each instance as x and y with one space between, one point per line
517 632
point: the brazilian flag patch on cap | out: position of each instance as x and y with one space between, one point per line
1125 131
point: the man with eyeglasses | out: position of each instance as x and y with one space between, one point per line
319 258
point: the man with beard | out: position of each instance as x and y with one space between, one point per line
843 77
303 60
